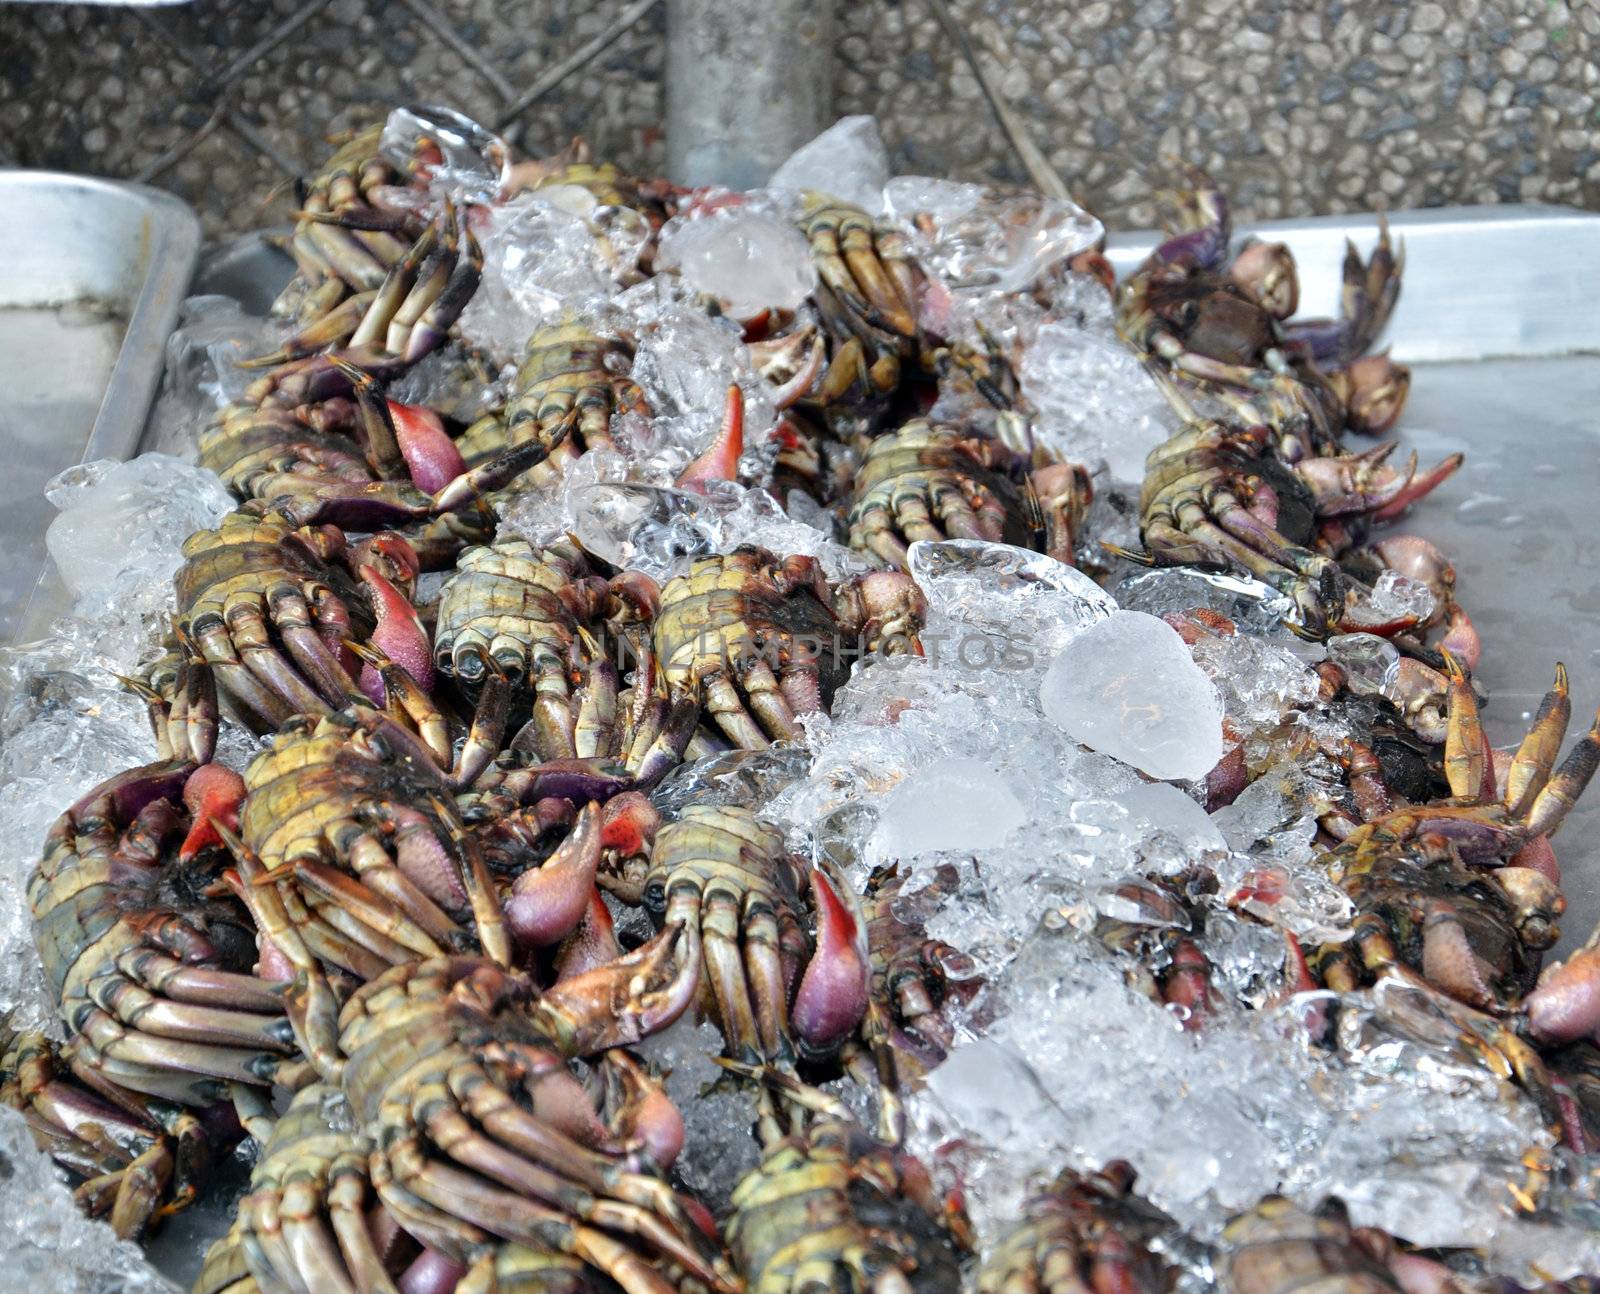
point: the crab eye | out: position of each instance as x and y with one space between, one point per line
1188 312
655 898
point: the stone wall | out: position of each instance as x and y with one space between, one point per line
1298 107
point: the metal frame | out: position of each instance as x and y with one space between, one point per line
218 74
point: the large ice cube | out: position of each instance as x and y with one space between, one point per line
129 519
1128 687
847 161
749 260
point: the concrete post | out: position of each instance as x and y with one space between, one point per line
748 82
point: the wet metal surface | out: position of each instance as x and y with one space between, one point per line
85 310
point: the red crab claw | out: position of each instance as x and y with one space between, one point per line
626 1000
1565 1006
629 824
392 556
430 454
721 461
399 635
832 998
213 794
547 902
1418 487
1298 977
592 943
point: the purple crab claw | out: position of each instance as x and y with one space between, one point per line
1565 1005
548 902
832 998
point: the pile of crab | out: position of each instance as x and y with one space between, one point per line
411 948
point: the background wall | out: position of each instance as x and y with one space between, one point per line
1299 107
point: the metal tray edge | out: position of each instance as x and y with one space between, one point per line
172 251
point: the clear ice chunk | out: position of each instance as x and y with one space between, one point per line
748 260
1399 597
1128 687
540 260
1034 602
1093 399
129 520
474 164
1371 664
954 804
974 236
49 1243
846 161
1160 806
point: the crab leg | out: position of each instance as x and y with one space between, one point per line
1536 756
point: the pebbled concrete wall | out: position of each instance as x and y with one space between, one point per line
1300 107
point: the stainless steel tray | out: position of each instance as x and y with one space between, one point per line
1500 322
86 306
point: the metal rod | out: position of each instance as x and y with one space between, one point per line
1045 177
583 55
747 84
440 26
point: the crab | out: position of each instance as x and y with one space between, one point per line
267 605
1214 494
724 876
1082 1231
480 1134
1223 323
932 482
137 1160
350 844
382 332
148 967
831 1206
531 615
570 383
760 640
866 295
922 982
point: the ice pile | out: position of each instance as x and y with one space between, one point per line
977 239
1080 1068
1019 842
50 1245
